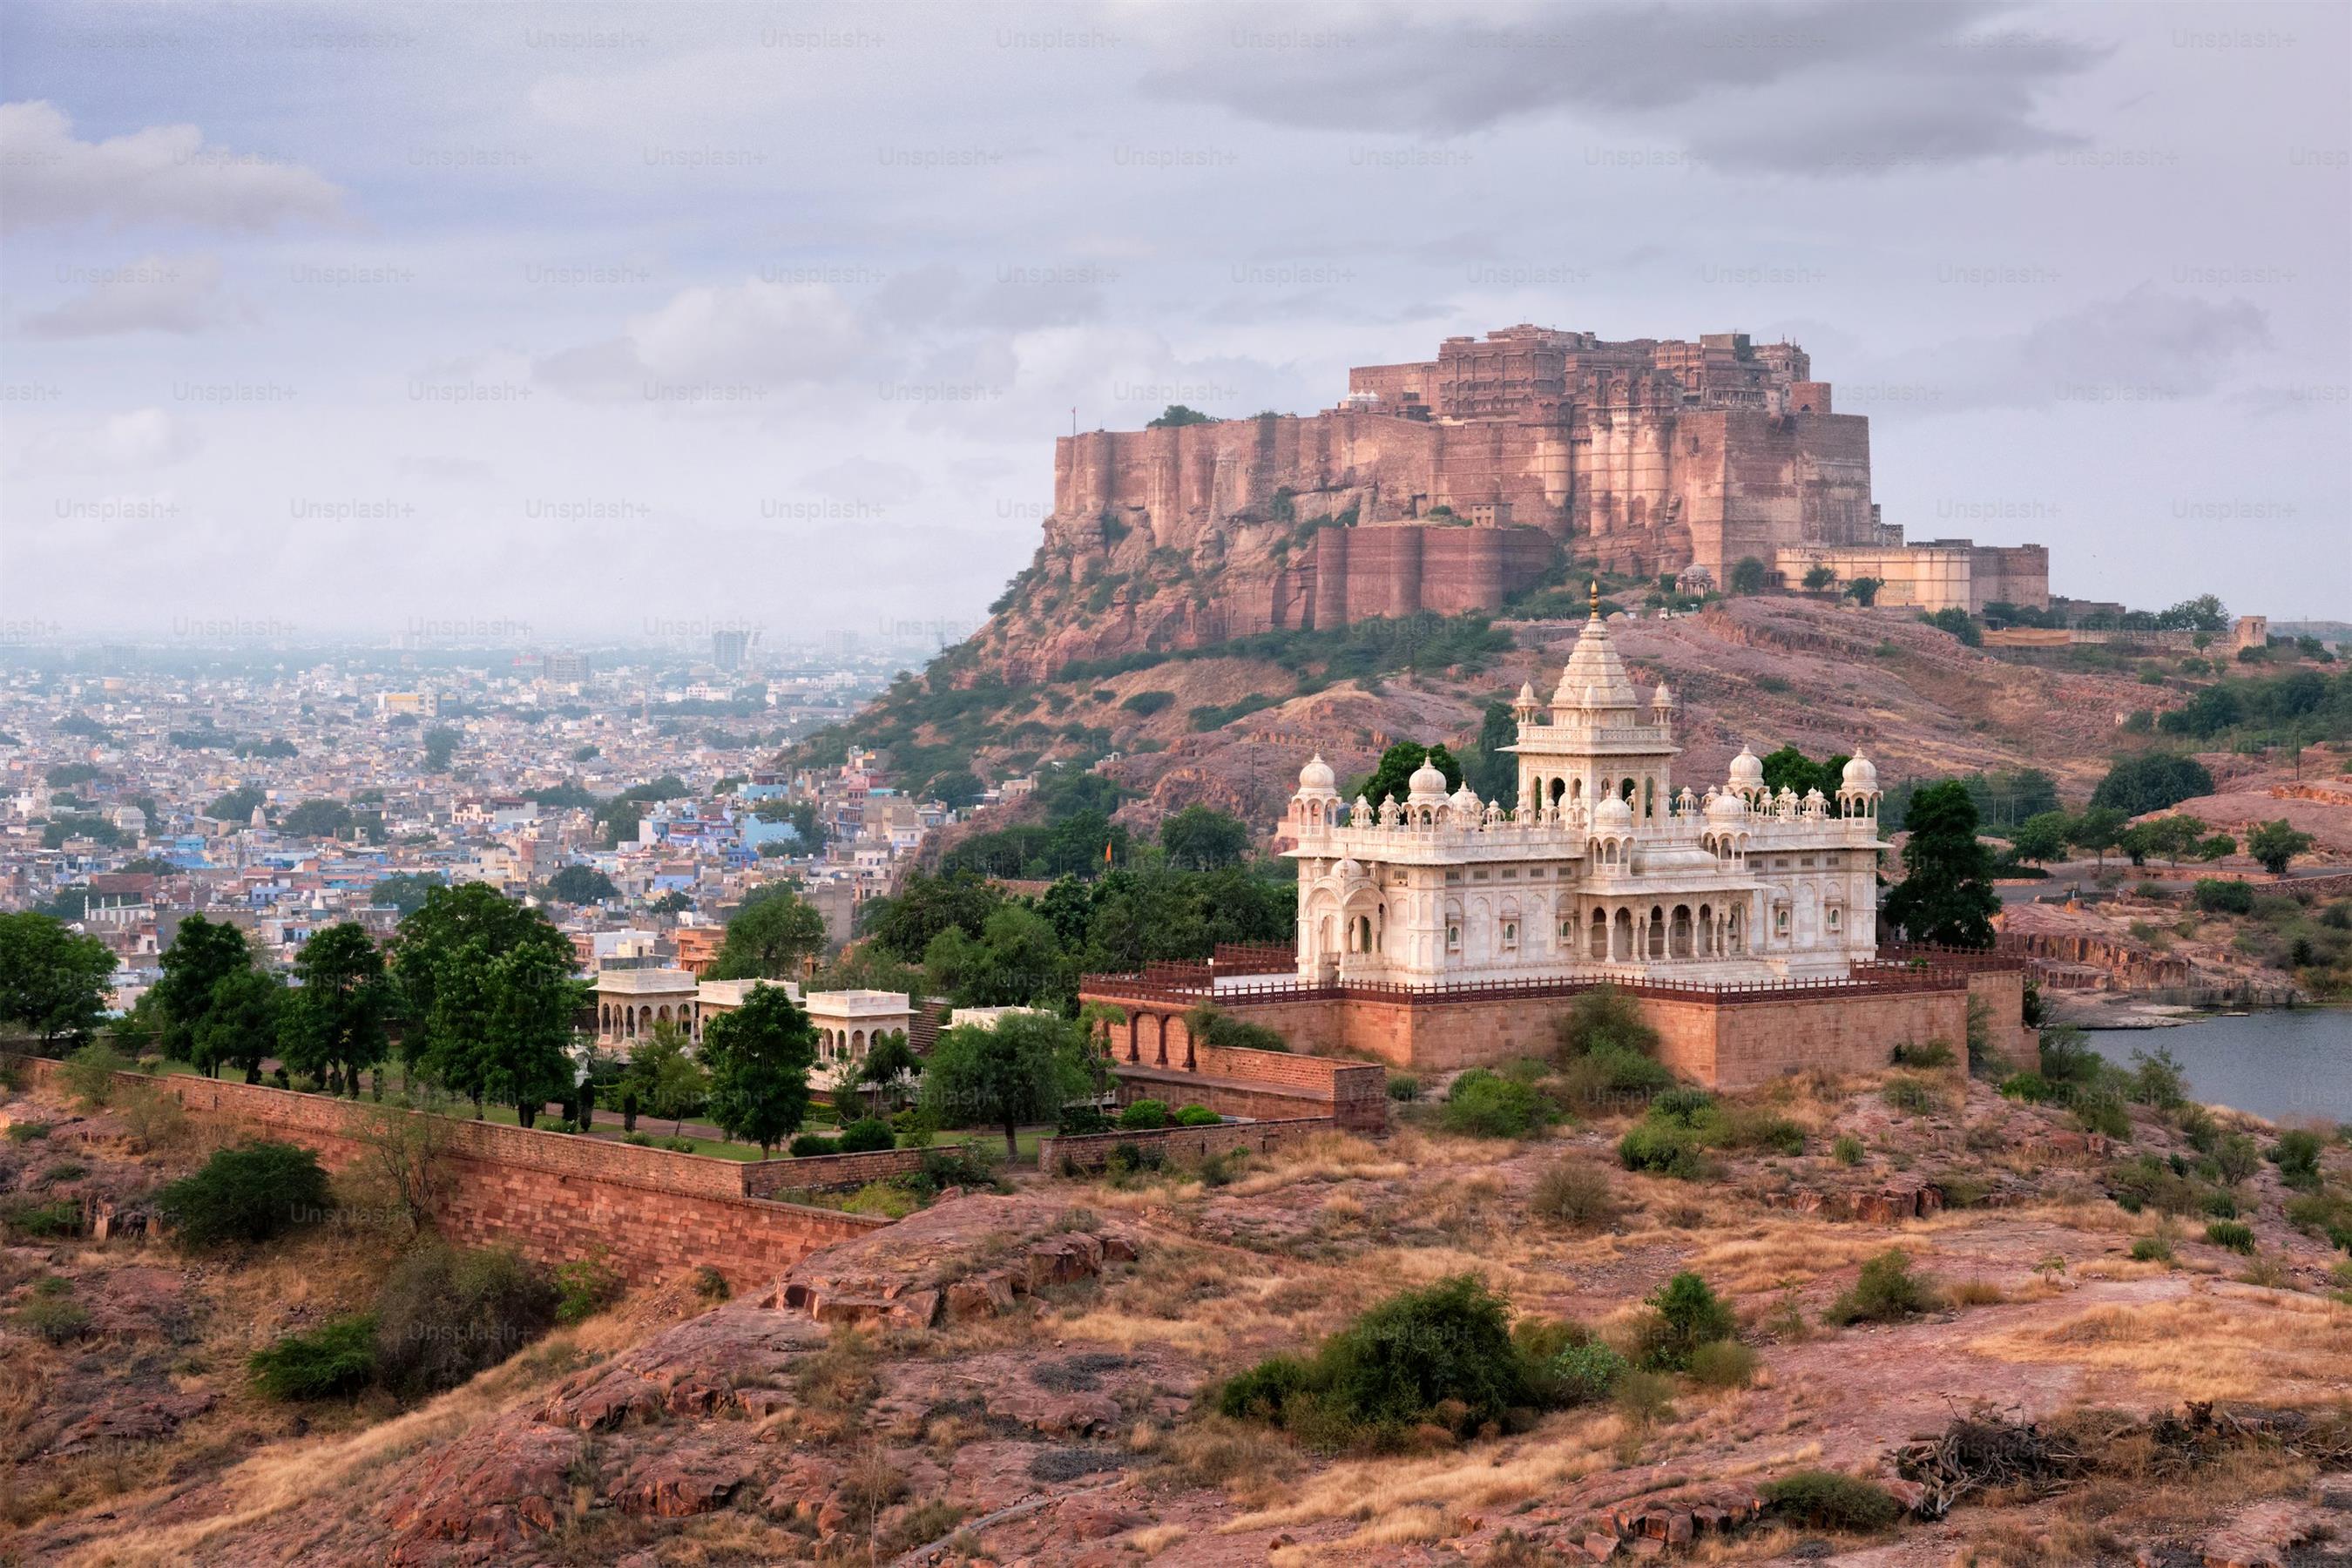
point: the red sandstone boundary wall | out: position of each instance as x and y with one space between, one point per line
1732 1041
1091 1151
551 1196
813 1173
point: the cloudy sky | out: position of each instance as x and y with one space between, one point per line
618 322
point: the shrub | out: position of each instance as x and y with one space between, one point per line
1847 1150
1481 1105
886 1199
1685 1313
1825 1500
2223 896
1663 1149
1886 1291
585 1286
2297 1155
1442 1354
251 1192
640 1141
2103 1112
1198 1116
809 1145
1574 1193
53 1315
90 1073
445 1315
336 1357
678 1146
1077 1120
42 1221
2234 1235
1587 1374
1403 1087
1723 1363
2151 1249
1609 1076
1933 1053
1144 1115
27 1132
1126 1159
1605 1018
869 1135
958 1165
2237 1158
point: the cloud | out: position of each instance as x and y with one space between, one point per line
753 334
152 294
863 479
141 439
2145 347
1805 87
163 174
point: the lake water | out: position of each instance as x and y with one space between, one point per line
2274 1064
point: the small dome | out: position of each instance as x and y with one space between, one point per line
1428 784
1465 798
1527 693
1663 697
1747 769
1349 871
1860 773
1725 807
1612 816
1317 775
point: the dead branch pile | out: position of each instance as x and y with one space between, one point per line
1987 1449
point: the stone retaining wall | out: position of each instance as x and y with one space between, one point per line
551 1196
818 1172
1091 1151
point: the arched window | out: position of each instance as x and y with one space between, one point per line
1510 936
1734 932
1680 932
1597 946
1620 943
1656 944
1706 931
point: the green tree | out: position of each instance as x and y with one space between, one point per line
1820 578
2042 837
903 924
201 954
1024 1069
2152 781
53 983
888 1066
237 806
1864 590
240 1024
335 1019
1946 895
1177 413
1198 839
1393 779
769 936
449 921
317 819
1749 575
1790 768
758 1057
2099 829
440 746
2274 844
1956 621
580 883
667 1082
1494 771
956 789
1015 961
403 890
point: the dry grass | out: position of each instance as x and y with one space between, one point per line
1564 1450
1158 1538
2242 1344
1772 1255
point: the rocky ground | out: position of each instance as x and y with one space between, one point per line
1018 1377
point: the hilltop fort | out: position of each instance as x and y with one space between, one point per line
1452 484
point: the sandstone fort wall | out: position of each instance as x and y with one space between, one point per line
552 1196
1091 1151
